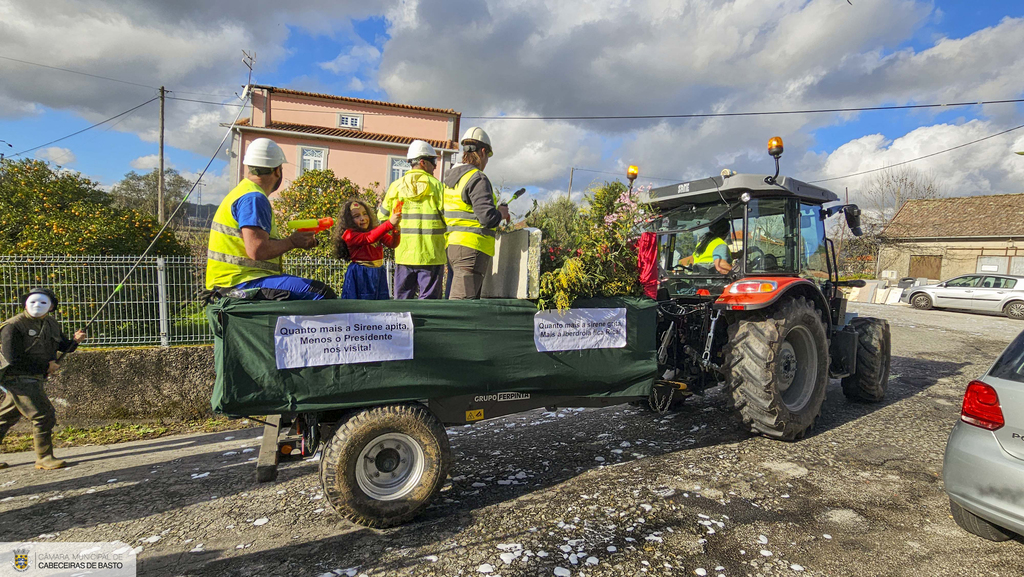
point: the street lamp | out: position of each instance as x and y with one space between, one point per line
631 174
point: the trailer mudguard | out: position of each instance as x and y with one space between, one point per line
460 348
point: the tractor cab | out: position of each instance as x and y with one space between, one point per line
716 231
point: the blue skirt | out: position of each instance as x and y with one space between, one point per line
365 282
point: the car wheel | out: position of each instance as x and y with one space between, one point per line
976 525
921 301
1014 310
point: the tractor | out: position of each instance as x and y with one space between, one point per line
749 297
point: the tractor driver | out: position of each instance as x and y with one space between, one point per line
712 251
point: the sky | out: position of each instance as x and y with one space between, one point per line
494 58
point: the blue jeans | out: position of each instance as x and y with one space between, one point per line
301 289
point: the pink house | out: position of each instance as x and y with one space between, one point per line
363 140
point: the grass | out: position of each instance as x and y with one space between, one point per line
70 436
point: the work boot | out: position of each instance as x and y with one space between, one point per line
44 452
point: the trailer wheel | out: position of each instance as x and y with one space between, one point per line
777 369
874 347
385 464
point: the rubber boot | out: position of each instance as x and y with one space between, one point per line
44 452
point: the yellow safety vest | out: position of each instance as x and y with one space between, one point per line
423 226
227 263
464 229
708 256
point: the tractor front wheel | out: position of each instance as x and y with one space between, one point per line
778 369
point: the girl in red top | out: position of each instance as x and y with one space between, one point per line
359 240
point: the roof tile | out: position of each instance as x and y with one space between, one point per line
964 216
277 90
358 134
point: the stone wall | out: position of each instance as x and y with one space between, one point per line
134 384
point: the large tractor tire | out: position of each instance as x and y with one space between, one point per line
385 464
874 347
778 369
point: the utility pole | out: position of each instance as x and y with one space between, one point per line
160 179
572 169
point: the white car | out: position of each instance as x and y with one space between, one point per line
973 292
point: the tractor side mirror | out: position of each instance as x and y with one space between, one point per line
852 213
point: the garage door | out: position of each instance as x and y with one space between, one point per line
926 266
993 264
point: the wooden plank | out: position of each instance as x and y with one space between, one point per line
266 464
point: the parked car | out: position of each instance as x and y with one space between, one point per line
983 469
973 292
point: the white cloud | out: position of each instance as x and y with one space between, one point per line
147 163
543 57
57 155
355 58
989 167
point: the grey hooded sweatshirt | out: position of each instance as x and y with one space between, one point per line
478 194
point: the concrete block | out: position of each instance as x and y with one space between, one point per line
867 292
515 270
921 281
880 296
894 296
854 295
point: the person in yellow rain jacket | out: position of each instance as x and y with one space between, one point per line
420 257
712 253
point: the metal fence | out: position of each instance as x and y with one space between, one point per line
159 304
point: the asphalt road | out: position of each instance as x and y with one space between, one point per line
614 491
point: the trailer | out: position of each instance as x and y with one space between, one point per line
372 384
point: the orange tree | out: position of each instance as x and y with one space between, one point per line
319 194
49 212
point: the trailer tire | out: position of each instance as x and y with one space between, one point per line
777 369
385 464
874 347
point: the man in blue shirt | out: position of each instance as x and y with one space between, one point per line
245 248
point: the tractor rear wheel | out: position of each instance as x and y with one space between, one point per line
385 464
874 347
778 369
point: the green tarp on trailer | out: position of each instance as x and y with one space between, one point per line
459 348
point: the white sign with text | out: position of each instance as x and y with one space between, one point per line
342 339
579 329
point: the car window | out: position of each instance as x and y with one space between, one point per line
998 282
964 281
1010 365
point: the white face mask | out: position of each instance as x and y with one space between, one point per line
38 305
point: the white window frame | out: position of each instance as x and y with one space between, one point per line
300 153
391 159
350 116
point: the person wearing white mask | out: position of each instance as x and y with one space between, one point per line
29 343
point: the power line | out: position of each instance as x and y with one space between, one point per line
688 115
919 157
129 111
68 70
751 113
77 72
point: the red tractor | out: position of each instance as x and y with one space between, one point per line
749 297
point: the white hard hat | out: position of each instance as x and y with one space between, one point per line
476 133
263 152
420 149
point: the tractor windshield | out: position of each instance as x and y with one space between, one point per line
699 245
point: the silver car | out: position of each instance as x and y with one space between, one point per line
974 292
984 465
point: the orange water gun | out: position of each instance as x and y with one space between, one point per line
313 225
